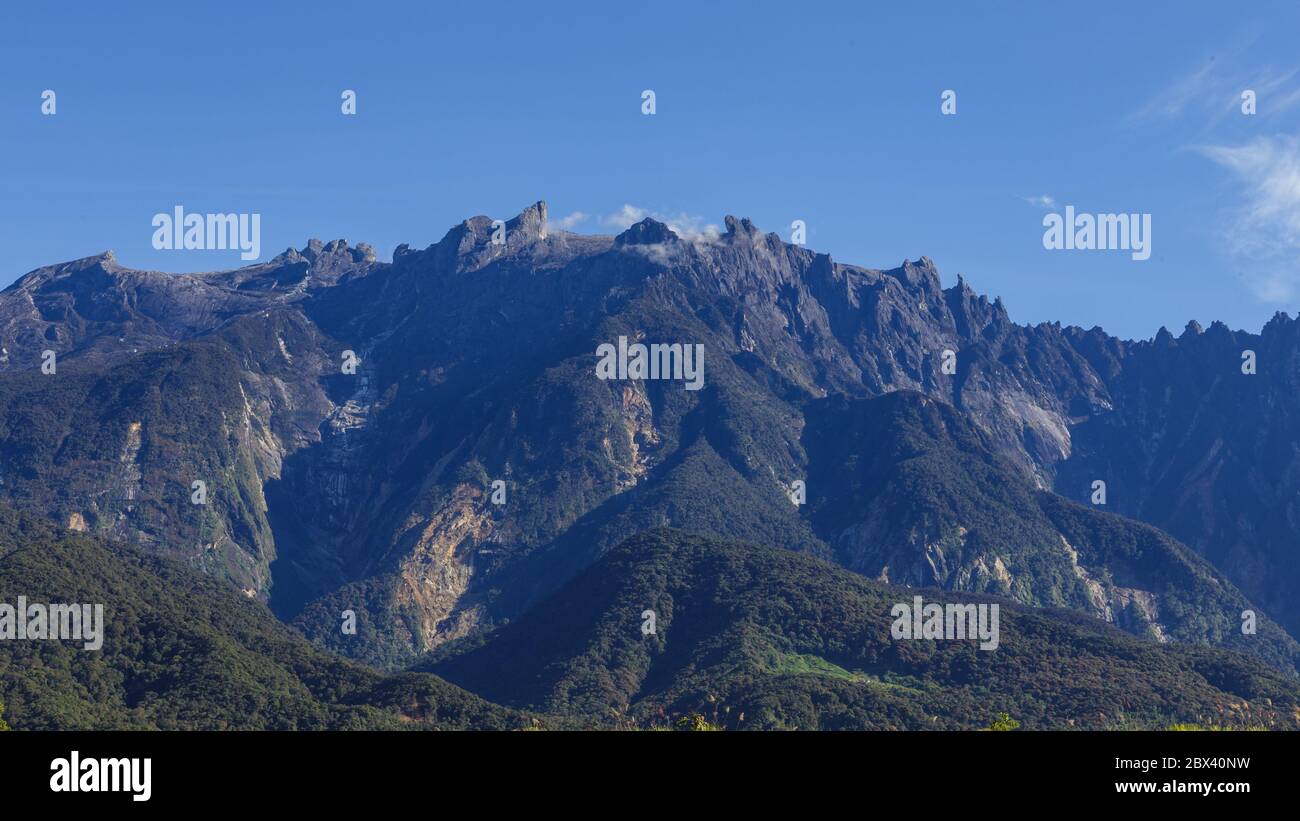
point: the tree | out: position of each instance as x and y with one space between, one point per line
1004 723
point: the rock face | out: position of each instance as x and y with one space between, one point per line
1204 449
162 381
906 490
472 461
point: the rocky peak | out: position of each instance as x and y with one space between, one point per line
972 313
740 229
317 250
86 268
468 246
647 232
1279 321
337 249
531 222
921 272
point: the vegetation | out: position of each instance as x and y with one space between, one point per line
793 642
695 723
1004 723
1214 728
182 651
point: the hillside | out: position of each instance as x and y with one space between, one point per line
762 638
185 652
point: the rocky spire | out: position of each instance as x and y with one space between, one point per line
531 222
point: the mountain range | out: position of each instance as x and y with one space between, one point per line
426 443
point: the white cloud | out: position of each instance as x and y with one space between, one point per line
567 223
690 228
1264 229
1041 201
625 217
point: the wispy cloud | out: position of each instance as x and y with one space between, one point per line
1264 229
1174 99
1041 201
569 222
625 217
683 225
1213 92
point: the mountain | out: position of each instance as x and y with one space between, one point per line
1205 450
763 638
353 420
161 381
907 490
182 651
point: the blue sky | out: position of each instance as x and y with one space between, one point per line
829 113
